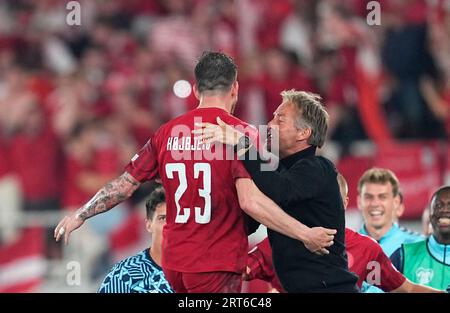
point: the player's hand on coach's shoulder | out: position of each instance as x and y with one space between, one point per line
67 225
318 239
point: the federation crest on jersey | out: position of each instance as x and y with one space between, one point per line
424 275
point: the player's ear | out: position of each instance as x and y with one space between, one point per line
304 134
346 202
399 207
196 92
148 225
234 88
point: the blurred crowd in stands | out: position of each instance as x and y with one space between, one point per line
76 102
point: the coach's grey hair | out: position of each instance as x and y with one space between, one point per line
312 114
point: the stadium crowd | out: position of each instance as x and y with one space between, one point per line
76 102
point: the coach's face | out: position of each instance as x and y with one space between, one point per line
284 128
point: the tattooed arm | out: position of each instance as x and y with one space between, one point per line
105 199
109 196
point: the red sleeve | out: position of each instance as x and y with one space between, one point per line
391 278
144 165
254 263
238 170
260 262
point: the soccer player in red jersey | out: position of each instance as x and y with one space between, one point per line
365 258
205 237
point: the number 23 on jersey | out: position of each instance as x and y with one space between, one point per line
183 214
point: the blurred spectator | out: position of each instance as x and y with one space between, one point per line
35 144
93 157
282 73
11 196
80 161
66 105
436 90
225 32
341 40
341 97
33 148
252 102
297 31
31 142
408 61
272 15
174 36
138 119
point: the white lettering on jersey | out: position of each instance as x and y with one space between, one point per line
186 144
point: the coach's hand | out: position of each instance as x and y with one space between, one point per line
222 132
318 239
67 225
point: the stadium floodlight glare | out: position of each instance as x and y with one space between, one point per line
182 88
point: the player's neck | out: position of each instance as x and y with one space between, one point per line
155 253
214 102
443 239
378 233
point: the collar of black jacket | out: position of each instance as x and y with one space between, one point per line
293 158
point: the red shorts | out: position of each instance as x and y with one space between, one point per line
211 282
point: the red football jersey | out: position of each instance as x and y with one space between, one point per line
365 258
361 252
261 267
205 228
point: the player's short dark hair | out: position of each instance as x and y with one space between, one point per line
438 193
215 71
157 197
